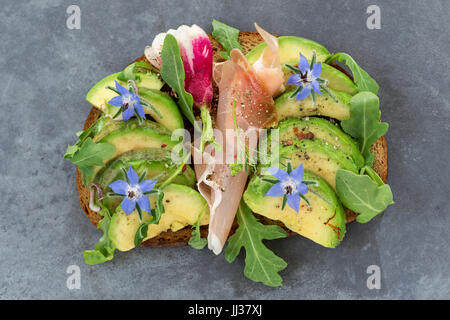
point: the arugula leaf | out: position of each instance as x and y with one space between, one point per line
261 264
227 36
92 154
362 194
172 72
104 250
141 232
363 123
372 174
71 150
82 136
363 80
196 241
128 74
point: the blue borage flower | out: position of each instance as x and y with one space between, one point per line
289 185
134 191
129 103
307 78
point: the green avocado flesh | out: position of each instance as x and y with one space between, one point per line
99 95
156 163
323 222
317 157
287 106
169 114
289 51
337 80
131 135
324 130
183 206
290 48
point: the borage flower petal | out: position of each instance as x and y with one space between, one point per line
294 79
304 93
128 205
278 173
316 87
147 185
293 201
132 176
116 101
317 70
290 186
303 64
144 203
119 187
275 191
122 90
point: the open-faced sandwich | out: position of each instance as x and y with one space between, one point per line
230 139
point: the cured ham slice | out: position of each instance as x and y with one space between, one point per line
245 106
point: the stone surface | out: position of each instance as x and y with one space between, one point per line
47 70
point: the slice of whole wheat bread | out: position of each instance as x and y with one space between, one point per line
248 41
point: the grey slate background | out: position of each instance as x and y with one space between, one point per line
47 69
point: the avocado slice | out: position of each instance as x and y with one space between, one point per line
323 221
131 135
318 157
183 206
337 80
289 49
320 129
170 116
155 162
325 105
99 95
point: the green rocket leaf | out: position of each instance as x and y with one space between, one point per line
362 194
363 80
104 250
227 36
196 241
261 264
172 72
92 154
364 124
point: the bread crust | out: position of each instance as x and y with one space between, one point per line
248 41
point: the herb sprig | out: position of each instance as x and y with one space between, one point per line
261 264
227 37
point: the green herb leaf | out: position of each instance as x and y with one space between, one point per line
227 36
362 194
71 151
141 232
128 74
92 154
372 174
363 80
261 264
196 241
363 123
172 72
104 250
207 129
82 136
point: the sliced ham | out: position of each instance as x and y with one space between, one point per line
248 90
